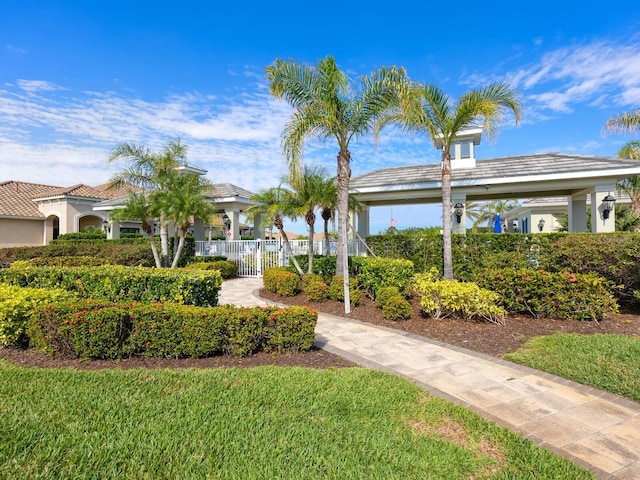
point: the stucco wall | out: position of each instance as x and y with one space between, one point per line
19 233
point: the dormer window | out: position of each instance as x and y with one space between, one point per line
460 150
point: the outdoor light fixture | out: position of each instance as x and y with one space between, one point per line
607 205
541 224
458 209
226 220
105 226
515 226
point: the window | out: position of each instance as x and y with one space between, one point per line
465 149
452 151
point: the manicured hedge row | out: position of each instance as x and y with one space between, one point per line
118 283
555 295
16 306
375 273
614 256
226 268
281 281
95 329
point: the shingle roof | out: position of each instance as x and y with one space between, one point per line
225 190
522 166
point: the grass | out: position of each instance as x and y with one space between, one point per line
260 423
609 362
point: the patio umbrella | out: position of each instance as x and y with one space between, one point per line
497 224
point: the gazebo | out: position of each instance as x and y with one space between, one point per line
577 178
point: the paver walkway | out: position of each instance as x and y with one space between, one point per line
593 428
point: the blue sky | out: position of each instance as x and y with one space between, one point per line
79 77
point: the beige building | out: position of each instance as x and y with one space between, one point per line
34 214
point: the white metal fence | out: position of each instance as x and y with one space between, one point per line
253 256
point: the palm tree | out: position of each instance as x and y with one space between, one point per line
327 106
625 122
273 205
328 207
152 171
184 199
429 110
310 195
138 207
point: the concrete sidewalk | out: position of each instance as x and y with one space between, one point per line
598 430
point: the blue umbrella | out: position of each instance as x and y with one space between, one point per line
497 224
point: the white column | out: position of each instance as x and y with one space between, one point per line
363 222
198 230
599 224
235 225
577 213
113 230
258 231
460 228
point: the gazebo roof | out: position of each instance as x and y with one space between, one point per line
538 175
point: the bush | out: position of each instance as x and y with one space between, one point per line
396 307
281 281
336 290
556 295
375 273
61 261
95 329
118 283
308 278
17 304
384 294
317 291
323 266
453 299
227 269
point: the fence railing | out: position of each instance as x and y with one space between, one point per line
253 256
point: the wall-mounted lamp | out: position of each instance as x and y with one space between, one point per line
541 224
226 220
105 226
607 205
515 226
458 210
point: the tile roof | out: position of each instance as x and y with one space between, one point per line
19 199
16 198
224 190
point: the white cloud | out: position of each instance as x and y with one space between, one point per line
37 86
14 49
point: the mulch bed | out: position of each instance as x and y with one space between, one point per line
488 338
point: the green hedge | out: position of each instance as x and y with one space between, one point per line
94 329
118 283
16 306
555 295
375 273
226 268
281 281
614 256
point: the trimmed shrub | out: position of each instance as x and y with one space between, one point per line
91 329
227 269
453 299
308 278
118 283
61 261
396 307
336 290
556 295
317 291
323 266
281 281
17 304
384 294
375 273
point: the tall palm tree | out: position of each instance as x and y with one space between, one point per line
327 106
273 205
138 207
152 171
429 110
628 122
328 207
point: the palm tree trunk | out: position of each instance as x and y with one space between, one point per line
446 215
146 228
311 220
287 245
326 216
176 258
164 243
342 260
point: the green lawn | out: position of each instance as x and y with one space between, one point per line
608 362
260 423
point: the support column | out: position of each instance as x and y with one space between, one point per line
198 230
258 231
363 221
577 213
459 228
599 224
235 225
113 230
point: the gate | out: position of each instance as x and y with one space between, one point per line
254 256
